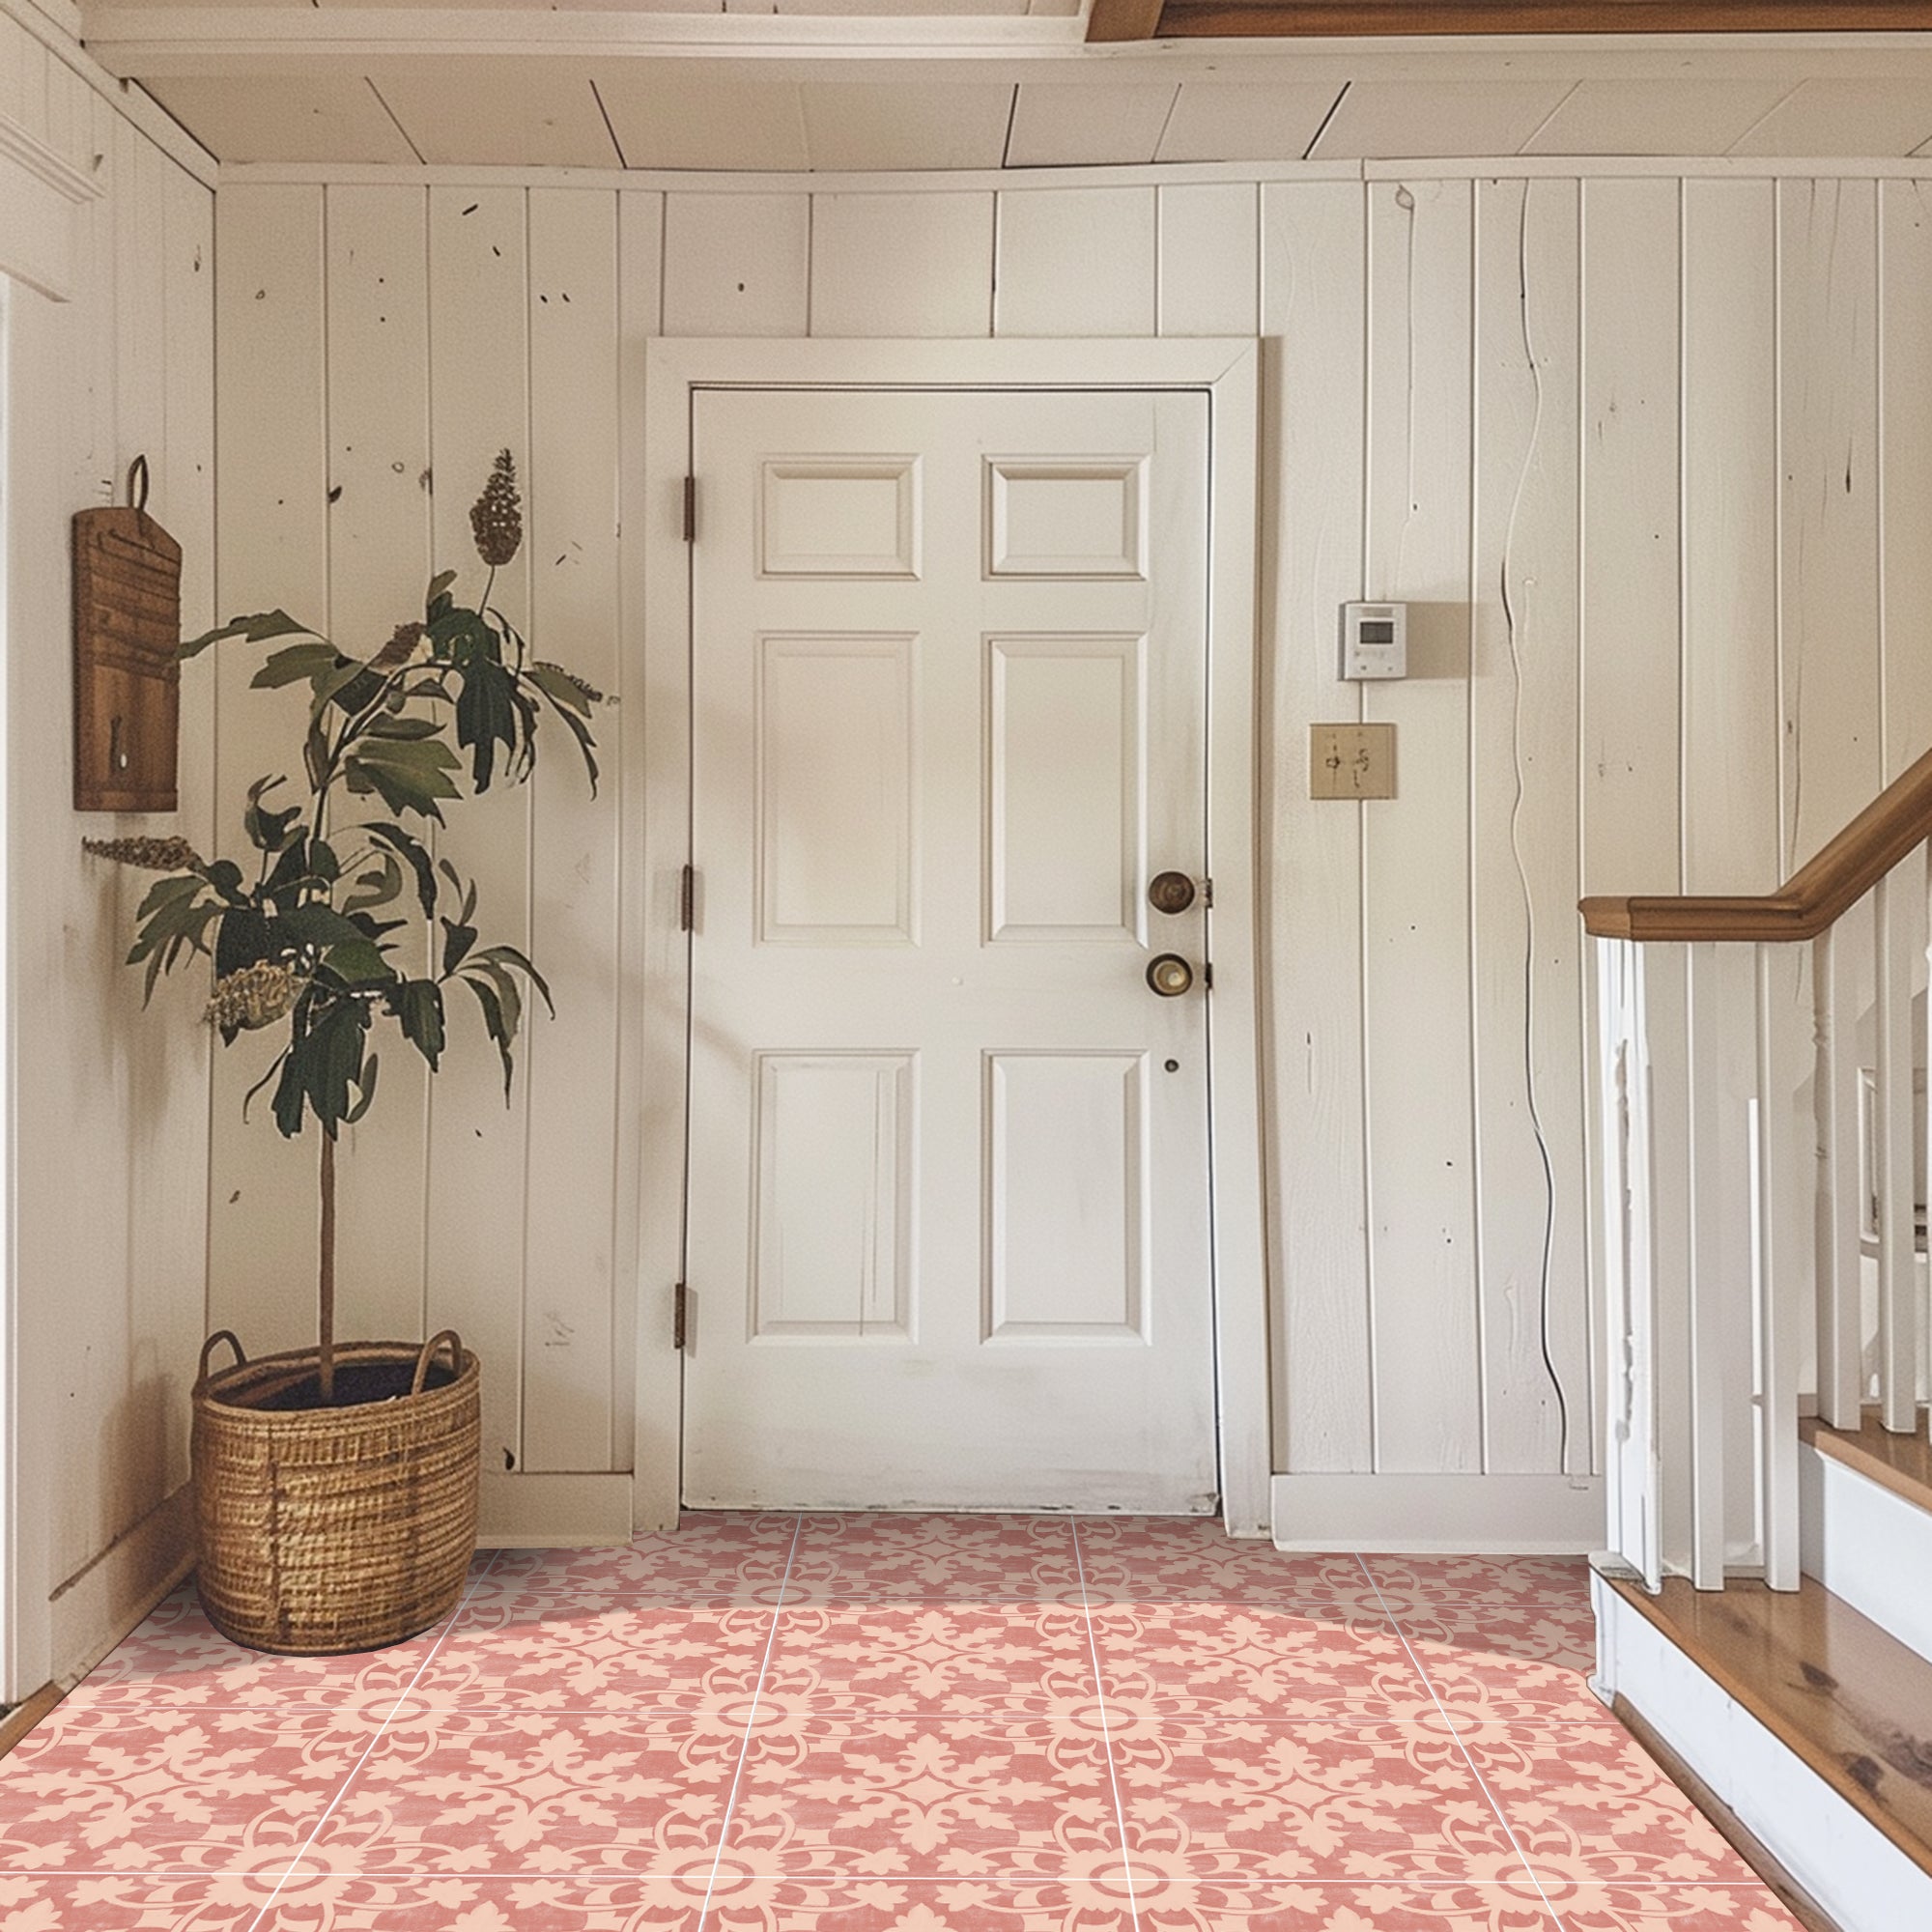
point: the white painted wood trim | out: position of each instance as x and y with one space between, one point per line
36 159
1227 369
1467 1515
1860 1880
93 1610
1867 1545
22 1485
38 194
553 1511
45 19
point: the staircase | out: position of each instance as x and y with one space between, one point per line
1764 1610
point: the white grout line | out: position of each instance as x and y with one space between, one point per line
1455 1732
381 1731
750 1719
1106 1724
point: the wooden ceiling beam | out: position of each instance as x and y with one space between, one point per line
1271 19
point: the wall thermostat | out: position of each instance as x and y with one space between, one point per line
1375 640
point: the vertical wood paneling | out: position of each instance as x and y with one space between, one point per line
378 390
1905 422
1729 524
1075 262
1827 553
273 455
1523 831
1313 236
737 263
640 317
1209 259
570 1284
1630 539
1415 860
478 1143
902 265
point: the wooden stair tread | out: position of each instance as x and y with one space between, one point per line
1848 1697
1900 1464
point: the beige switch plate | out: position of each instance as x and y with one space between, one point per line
1351 761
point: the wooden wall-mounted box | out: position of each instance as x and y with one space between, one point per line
127 671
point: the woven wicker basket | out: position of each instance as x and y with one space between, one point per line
324 1530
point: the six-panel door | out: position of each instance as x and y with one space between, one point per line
948 1207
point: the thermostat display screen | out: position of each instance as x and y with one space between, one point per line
1378 631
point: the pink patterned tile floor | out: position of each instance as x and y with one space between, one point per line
853 1723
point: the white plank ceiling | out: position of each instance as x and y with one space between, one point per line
969 85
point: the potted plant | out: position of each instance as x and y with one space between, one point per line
335 1487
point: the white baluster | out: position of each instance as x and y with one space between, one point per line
1717 1067
1900 907
1784 1248
1835 996
1681 1495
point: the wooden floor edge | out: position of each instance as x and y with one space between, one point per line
1740 1836
23 1716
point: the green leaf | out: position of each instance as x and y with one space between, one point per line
324 1063
438 585
457 940
257 629
508 998
367 1090
558 688
509 955
297 664
377 887
409 777
486 716
413 855
493 1022
403 727
243 938
268 830
417 1005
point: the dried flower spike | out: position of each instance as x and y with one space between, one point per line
257 996
151 855
497 517
397 650
591 695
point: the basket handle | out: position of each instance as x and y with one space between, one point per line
208 1348
428 1355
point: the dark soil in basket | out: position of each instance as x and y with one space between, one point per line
356 1383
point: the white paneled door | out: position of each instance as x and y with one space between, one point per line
947 1204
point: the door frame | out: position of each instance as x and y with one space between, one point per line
657 774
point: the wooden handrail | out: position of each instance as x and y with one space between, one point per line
1816 896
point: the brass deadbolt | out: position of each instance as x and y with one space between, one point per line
1170 974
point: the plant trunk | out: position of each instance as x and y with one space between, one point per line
325 1281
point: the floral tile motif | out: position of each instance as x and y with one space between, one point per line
1530 1634
1235 1661
884 1558
1591 1806
1445 1905
536 1793
1174 1559
1688 1907
867 1797
530 1650
487 1904
177 1657
711 1557
922 1905
957 1659
177 1791
52 1902
1443 1583
1477 1685
1258 1802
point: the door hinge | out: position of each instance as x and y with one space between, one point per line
1207 977
1208 893
686 899
690 509
680 1306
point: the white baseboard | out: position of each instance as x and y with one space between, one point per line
1867 1546
1859 1879
544 1512
1470 1516
97 1606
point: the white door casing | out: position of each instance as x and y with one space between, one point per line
657 769
947 1229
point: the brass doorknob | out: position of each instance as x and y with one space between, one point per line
1169 974
1171 892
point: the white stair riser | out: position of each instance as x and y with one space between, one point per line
1869 1547
1857 1875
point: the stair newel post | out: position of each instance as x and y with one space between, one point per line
325 1280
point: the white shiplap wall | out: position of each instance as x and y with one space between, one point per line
111 1105
1633 447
